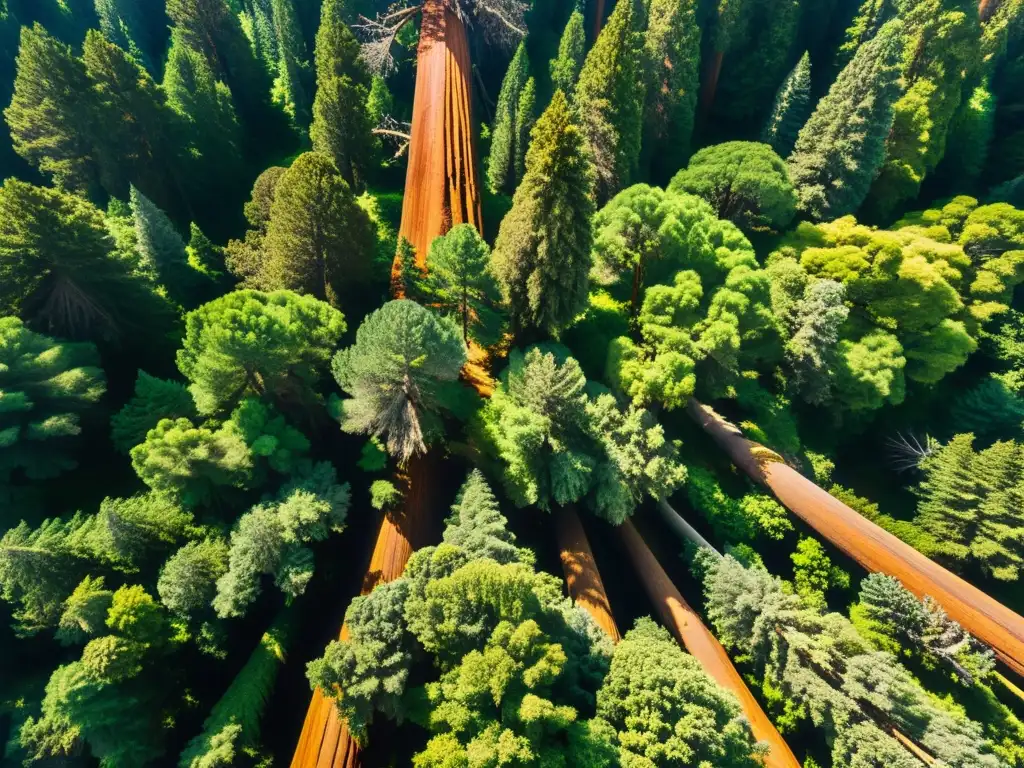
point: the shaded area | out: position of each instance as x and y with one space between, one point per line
581 574
872 547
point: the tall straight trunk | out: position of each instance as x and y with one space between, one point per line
689 630
714 71
581 574
875 549
681 527
599 17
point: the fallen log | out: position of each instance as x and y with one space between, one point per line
872 547
581 574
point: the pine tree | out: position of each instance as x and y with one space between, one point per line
57 272
245 258
209 126
842 146
401 375
478 528
293 82
501 171
565 68
609 102
135 145
163 252
526 118
46 386
154 400
85 612
542 253
51 115
341 118
459 283
122 24
188 580
791 109
408 282
671 71
318 240
205 258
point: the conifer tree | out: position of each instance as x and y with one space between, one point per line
459 283
477 527
319 241
162 252
57 272
401 376
51 115
245 258
136 144
840 149
526 118
154 400
408 283
609 102
209 126
122 24
565 68
791 109
204 257
341 118
85 612
293 83
501 162
46 387
671 71
542 253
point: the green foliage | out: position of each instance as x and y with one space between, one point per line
123 25
342 114
459 283
85 612
572 47
836 678
752 516
126 533
526 118
813 572
319 241
841 148
270 437
188 580
373 457
666 709
154 400
609 102
245 258
45 387
897 614
273 345
401 375
745 182
272 539
791 109
989 410
971 504
477 527
671 78
234 721
292 81
542 252
502 173
384 495
57 271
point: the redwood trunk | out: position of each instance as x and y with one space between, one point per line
686 625
599 17
875 549
707 97
986 8
581 574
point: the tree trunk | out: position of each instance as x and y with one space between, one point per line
599 17
682 528
686 625
986 8
581 574
707 96
871 546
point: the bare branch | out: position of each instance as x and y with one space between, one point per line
379 35
386 132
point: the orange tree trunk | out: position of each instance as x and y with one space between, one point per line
689 630
871 546
599 17
581 574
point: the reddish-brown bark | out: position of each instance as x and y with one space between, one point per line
689 630
986 8
599 17
871 546
581 574
707 96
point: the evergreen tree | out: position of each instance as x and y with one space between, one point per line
162 252
341 116
501 162
542 253
205 259
565 68
671 71
319 241
842 146
122 24
459 283
745 182
813 572
209 127
273 345
85 612
188 580
154 400
291 88
526 118
134 146
816 329
477 527
791 109
245 258
667 710
57 271
401 375
52 116
609 102
46 387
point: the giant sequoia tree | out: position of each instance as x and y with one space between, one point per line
542 253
